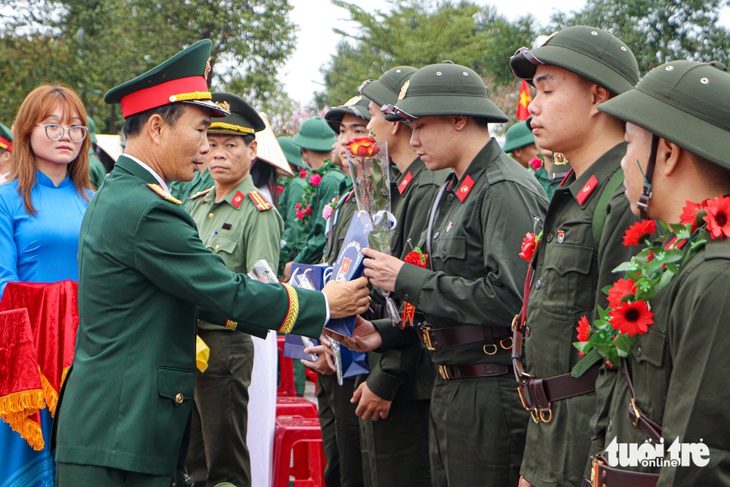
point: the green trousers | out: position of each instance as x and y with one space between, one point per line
73 475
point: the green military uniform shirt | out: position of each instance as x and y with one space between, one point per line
295 232
143 271
566 284
679 370
550 182
242 228
183 190
97 171
332 186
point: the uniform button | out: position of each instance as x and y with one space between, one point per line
538 284
450 197
436 235
210 215
217 246
406 296
638 350
179 397
549 237
488 369
443 254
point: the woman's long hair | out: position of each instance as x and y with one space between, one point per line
36 107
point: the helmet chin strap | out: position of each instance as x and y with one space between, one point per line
643 203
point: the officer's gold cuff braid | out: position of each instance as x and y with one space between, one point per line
293 311
229 126
193 95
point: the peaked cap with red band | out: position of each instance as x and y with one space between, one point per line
6 138
180 79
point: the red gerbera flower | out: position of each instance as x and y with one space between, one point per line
622 291
638 232
718 217
583 329
633 318
529 244
690 214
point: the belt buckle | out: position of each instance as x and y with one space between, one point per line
443 372
426 336
596 464
636 412
533 411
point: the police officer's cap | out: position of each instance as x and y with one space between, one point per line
385 90
592 53
243 118
447 89
292 151
315 135
357 105
180 79
518 135
6 138
685 102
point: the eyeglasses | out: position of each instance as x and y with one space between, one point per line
391 109
54 131
524 51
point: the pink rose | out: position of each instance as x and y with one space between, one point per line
300 215
315 179
327 212
535 163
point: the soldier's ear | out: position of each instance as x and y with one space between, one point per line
668 156
155 127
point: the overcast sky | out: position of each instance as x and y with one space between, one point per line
316 40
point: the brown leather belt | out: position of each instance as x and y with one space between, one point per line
489 336
651 429
603 475
448 372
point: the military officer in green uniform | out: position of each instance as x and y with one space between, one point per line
324 182
473 286
393 401
237 223
125 407
673 383
574 71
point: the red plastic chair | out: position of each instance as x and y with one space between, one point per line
293 434
295 406
286 371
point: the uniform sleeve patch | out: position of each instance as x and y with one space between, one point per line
163 194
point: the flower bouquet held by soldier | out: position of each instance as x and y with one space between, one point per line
472 285
144 278
668 315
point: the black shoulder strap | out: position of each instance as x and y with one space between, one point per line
599 216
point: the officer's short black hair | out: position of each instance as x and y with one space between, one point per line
170 113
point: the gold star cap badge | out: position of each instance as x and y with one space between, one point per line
404 90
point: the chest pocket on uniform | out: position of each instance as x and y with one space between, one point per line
223 244
648 373
448 249
567 287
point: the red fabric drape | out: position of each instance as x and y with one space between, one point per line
525 97
53 318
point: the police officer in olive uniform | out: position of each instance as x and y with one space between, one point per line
237 223
473 287
393 401
677 131
574 71
125 407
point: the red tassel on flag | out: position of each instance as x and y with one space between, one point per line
524 100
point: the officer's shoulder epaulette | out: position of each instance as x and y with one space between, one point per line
201 193
261 203
163 194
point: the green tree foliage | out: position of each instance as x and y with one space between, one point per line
92 45
658 30
417 33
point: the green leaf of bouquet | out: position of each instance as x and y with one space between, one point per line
584 364
673 255
623 267
623 344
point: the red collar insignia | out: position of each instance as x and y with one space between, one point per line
465 188
405 182
586 190
238 199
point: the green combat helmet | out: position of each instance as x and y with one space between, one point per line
684 102
446 89
595 54
518 135
385 90
315 135
357 105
